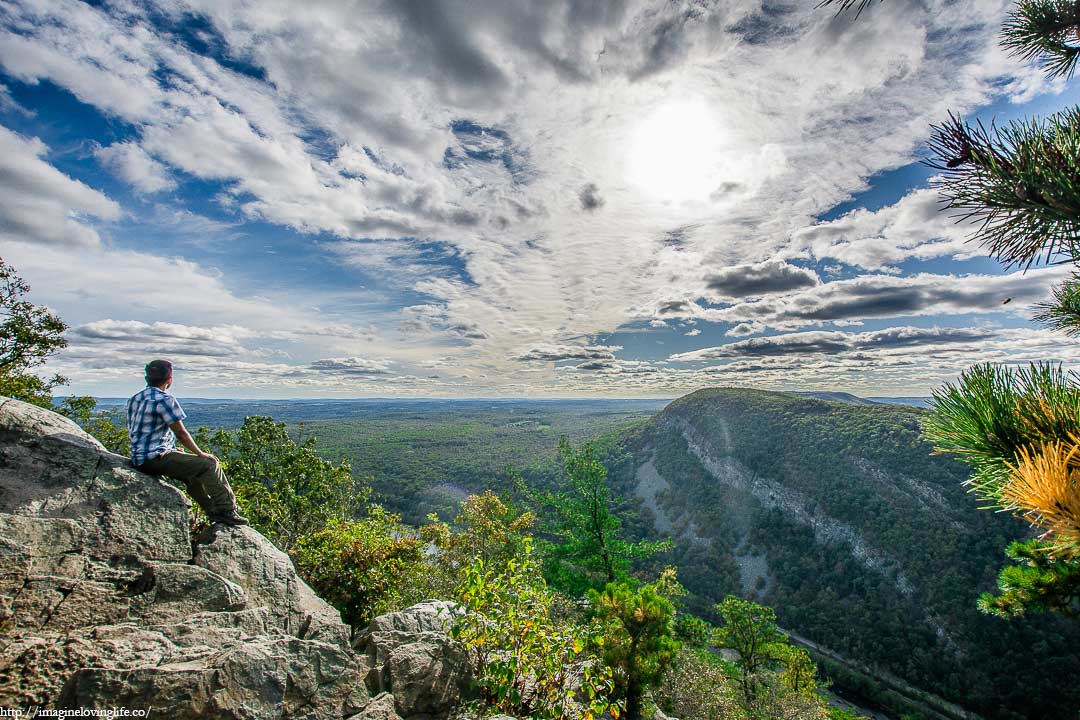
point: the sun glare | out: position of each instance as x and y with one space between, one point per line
675 152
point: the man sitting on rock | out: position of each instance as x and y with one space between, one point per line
155 421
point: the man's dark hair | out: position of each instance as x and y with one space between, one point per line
158 371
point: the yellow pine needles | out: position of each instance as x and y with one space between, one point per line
1045 490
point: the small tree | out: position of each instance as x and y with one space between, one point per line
750 630
362 567
799 671
485 527
282 484
29 334
639 639
588 549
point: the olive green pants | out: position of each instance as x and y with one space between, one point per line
202 477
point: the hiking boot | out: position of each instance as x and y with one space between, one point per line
230 518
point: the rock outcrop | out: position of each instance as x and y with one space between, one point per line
106 600
411 656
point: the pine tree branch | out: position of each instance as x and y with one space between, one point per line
1036 582
1020 184
1062 313
993 412
845 5
1046 32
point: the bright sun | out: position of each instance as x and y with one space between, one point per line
675 152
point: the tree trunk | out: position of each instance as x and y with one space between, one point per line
633 701
634 690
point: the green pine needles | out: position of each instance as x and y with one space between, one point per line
1046 32
639 639
1062 311
1038 582
994 412
844 5
1019 429
1019 183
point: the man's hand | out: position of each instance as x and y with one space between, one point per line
189 442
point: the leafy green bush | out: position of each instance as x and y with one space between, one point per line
529 664
486 528
361 567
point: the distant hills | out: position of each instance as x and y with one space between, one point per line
841 397
850 399
922 402
362 406
230 413
831 509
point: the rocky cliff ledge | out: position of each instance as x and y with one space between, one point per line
107 600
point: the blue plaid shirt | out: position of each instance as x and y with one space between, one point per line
150 413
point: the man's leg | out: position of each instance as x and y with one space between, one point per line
213 483
202 477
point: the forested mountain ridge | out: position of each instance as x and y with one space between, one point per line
839 516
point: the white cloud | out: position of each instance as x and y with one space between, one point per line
613 367
157 338
435 320
880 296
767 278
131 163
835 342
352 366
40 204
8 103
915 227
557 353
478 126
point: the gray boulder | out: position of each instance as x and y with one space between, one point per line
411 655
105 600
381 707
429 616
268 578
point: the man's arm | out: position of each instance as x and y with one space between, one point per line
189 442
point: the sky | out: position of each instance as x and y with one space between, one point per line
483 198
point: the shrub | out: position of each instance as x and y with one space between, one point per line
361 567
528 664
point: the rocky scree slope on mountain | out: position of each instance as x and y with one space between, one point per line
106 600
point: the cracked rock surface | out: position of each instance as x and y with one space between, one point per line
106 600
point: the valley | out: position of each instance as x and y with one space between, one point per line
832 511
